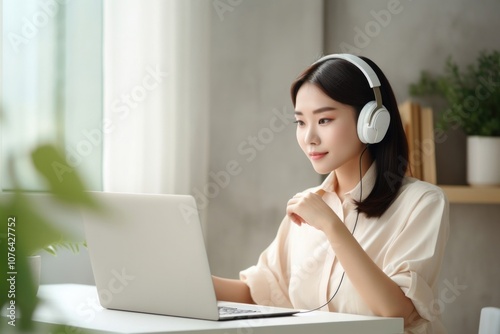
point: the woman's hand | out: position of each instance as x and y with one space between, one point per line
309 208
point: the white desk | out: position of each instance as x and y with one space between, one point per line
77 306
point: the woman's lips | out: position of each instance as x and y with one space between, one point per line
317 155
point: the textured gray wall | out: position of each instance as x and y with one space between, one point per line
258 49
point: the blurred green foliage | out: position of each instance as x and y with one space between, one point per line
30 231
472 94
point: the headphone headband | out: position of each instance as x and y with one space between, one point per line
369 73
360 63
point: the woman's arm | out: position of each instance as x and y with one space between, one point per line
381 294
232 290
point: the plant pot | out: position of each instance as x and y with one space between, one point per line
35 263
483 161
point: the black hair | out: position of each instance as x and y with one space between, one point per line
345 83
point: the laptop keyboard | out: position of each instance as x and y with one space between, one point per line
224 310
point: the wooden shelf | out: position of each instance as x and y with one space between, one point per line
471 194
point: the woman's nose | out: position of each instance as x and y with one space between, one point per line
312 137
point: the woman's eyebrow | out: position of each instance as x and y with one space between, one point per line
317 111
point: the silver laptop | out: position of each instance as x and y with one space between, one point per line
148 255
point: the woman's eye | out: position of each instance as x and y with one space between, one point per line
299 122
325 120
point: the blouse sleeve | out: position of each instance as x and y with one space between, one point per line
414 257
268 279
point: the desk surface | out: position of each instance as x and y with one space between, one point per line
77 306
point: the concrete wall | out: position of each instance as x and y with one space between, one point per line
258 48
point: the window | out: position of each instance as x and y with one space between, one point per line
51 86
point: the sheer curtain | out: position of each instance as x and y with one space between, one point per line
51 87
155 95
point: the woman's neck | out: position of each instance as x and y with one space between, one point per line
348 174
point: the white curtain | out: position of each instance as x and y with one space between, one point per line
156 95
51 87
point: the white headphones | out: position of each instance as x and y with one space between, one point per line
374 118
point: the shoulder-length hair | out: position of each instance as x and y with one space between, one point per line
345 83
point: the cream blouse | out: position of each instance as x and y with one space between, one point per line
299 268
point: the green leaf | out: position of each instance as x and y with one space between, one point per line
62 179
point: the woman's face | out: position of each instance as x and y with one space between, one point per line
326 129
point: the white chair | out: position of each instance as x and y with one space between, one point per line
489 322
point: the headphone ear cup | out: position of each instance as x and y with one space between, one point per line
373 123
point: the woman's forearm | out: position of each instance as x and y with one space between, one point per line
232 290
382 295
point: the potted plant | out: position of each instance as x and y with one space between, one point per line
35 260
473 105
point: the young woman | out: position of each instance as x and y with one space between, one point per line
369 240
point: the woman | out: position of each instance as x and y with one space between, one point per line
369 240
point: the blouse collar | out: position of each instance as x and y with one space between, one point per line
367 183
